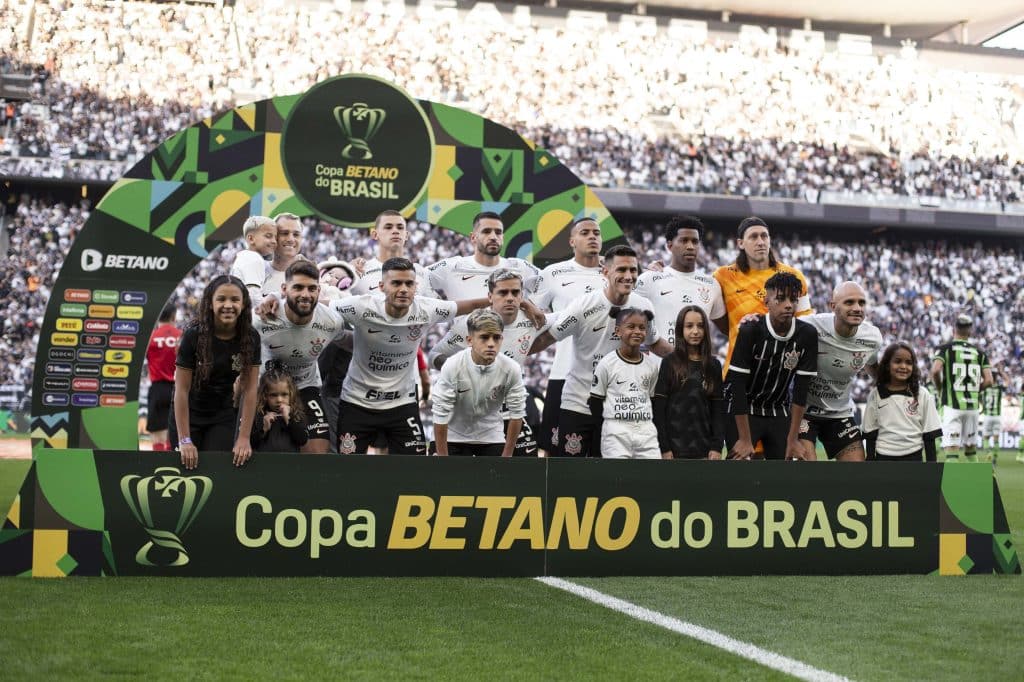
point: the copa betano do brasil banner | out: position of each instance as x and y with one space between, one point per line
343 151
82 512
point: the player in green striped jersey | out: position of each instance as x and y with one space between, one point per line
960 371
992 419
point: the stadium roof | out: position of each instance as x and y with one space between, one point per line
920 19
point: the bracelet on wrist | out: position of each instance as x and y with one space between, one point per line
185 441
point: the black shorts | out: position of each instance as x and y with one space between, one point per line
576 435
359 426
475 449
771 431
547 434
316 417
526 445
835 434
161 395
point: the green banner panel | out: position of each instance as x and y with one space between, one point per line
143 514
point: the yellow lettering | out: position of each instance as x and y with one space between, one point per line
300 528
671 517
688 535
876 523
444 522
816 526
778 519
566 518
858 534
240 528
895 540
494 504
743 532
316 538
602 532
527 524
412 512
361 534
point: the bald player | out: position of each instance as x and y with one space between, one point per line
847 345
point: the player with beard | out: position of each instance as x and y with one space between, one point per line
771 353
518 332
465 277
847 344
379 392
586 320
391 233
294 337
558 285
680 283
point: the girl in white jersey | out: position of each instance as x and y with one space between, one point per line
622 388
900 416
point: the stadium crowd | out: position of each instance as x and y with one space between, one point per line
719 116
916 287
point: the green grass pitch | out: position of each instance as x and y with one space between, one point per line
864 627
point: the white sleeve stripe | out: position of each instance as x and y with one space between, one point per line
808 374
734 368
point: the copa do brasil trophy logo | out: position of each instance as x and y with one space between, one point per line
356 145
165 503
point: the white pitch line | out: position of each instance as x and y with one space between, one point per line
749 651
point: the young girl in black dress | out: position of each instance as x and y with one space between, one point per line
219 346
688 395
280 424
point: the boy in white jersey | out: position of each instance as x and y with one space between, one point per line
476 385
621 392
251 266
465 277
505 291
558 285
681 283
391 233
379 392
293 336
847 344
586 319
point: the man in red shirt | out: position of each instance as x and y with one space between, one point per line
160 356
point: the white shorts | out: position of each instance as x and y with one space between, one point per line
959 427
629 440
990 425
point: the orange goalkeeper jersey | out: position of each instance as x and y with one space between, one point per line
744 294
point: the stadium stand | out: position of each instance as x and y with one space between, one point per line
655 112
108 81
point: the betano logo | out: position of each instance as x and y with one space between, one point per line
166 504
93 260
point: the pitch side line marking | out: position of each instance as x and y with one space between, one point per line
749 651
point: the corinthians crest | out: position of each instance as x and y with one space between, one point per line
166 504
359 123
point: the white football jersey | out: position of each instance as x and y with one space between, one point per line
383 372
250 267
369 282
469 398
840 359
295 346
557 286
515 343
460 278
626 386
671 289
586 320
